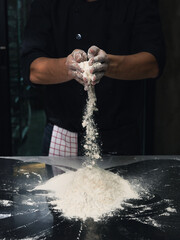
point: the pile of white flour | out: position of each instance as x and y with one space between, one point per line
91 147
90 192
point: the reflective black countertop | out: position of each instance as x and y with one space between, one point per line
26 214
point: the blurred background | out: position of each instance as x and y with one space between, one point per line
22 117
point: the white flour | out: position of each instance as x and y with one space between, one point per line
89 76
90 192
6 203
91 146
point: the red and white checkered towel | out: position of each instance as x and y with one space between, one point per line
63 143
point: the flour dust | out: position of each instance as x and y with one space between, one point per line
91 146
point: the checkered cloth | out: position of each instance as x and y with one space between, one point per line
63 143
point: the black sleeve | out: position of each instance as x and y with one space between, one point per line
37 37
147 32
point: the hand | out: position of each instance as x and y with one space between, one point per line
98 59
72 63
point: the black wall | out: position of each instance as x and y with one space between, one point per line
5 125
167 112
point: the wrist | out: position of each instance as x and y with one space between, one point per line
67 72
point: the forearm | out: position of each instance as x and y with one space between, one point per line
48 71
132 67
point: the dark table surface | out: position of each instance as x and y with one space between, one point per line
27 214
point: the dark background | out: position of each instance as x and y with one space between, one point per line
167 107
21 109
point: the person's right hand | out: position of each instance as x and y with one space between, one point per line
98 59
72 63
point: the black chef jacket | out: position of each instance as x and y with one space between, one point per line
56 27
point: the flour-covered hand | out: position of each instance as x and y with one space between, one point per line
72 63
98 59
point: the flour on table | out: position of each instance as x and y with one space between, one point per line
91 147
90 192
6 203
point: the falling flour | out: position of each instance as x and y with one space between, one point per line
91 147
90 192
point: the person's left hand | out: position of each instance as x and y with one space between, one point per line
98 59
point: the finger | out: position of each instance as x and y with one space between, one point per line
85 80
84 56
91 61
97 77
102 58
76 74
85 84
74 66
79 55
99 68
93 51
79 80
95 82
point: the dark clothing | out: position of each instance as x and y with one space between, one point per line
46 139
57 27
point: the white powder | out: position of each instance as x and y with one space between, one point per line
3 216
6 203
86 67
91 146
171 210
90 192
